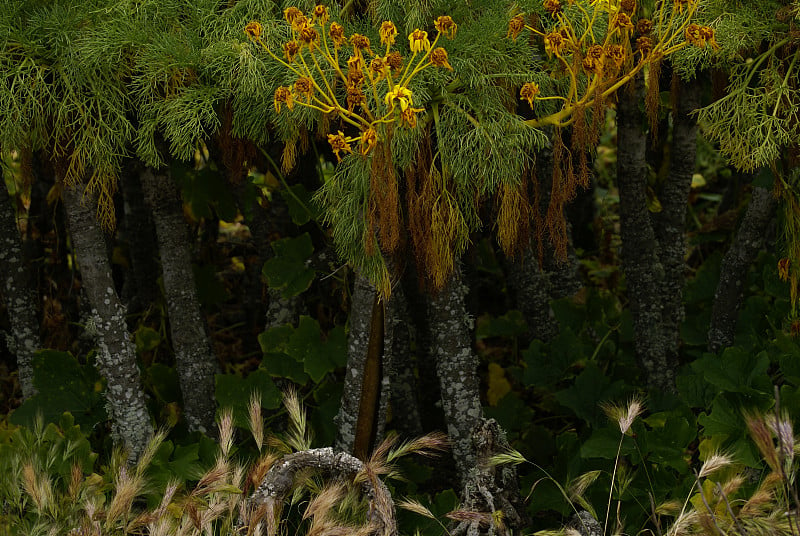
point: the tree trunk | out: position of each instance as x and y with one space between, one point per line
141 287
643 271
20 295
364 375
671 221
116 355
532 288
194 358
456 368
473 439
733 272
406 419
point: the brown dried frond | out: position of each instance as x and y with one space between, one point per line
562 190
289 155
384 196
513 220
651 98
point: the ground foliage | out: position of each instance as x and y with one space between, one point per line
94 85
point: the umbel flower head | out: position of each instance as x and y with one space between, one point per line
336 33
529 92
418 41
445 26
388 32
439 58
253 29
339 143
399 95
283 95
515 26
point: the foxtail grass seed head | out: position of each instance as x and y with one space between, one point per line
225 425
784 434
714 463
255 419
624 416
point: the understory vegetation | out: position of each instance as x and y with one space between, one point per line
384 267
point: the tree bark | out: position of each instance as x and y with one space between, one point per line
456 368
140 289
643 271
473 439
194 358
532 288
116 355
406 419
671 221
358 342
20 295
748 242
266 503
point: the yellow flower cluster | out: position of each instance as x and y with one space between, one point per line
360 77
598 63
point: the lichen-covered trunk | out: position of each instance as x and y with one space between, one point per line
194 358
406 417
141 284
19 293
733 273
116 355
643 272
473 439
362 412
456 368
532 289
670 223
